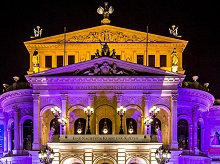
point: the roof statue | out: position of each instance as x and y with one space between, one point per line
174 31
37 32
105 12
105 51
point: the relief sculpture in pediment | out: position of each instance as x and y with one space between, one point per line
106 36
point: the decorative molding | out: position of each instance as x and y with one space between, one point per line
174 96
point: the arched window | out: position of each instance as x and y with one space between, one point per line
79 126
55 123
12 136
199 135
131 124
27 134
155 124
103 124
183 134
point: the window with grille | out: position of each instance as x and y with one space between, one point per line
59 61
140 59
71 59
151 60
48 61
163 60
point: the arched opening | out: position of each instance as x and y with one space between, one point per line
199 133
105 123
12 136
131 124
183 134
79 126
27 134
155 125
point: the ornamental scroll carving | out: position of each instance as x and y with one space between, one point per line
106 36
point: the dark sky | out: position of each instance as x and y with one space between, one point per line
197 23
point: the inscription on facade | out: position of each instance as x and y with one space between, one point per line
105 138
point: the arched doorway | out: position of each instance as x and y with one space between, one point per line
105 123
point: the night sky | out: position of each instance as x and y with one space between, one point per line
197 23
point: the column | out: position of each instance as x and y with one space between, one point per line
190 144
91 104
195 129
16 129
174 143
118 99
36 118
5 132
9 139
146 111
64 97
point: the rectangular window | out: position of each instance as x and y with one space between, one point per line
71 59
92 57
59 61
48 61
151 60
163 60
140 59
118 57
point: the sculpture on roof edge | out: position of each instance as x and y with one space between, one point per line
174 31
105 51
105 12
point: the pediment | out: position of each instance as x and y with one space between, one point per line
105 33
105 66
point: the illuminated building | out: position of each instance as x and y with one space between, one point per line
66 73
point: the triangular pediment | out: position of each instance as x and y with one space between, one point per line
105 33
105 66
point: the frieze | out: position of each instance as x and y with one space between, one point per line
110 86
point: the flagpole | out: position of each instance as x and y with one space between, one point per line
147 47
64 55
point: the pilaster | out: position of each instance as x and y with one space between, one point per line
36 117
174 143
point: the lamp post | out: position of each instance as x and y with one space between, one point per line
153 113
162 155
148 121
63 122
88 111
46 155
121 111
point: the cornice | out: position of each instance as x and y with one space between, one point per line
9 96
197 96
102 79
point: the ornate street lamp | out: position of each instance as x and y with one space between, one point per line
148 121
121 111
63 122
46 155
88 111
56 111
162 155
153 113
